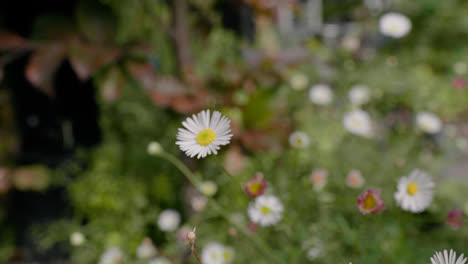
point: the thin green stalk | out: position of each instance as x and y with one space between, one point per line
195 182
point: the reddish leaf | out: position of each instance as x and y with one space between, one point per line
9 40
144 73
42 66
86 59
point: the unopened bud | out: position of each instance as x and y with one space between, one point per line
191 236
154 148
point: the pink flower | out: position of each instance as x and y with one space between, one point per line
455 218
369 202
459 83
355 179
255 186
319 178
252 227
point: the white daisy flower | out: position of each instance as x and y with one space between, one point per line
415 192
394 25
266 210
358 122
428 122
359 95
298 81
203 135
460 68
314 253
208 188
169 220
160 260
146 249
77 239
216 253
299 139
112 255
321 94
447 258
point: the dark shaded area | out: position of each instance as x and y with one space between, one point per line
50 128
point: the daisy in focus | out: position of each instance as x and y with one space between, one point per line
369 202
447 258
359 95
394 25
203 134
355 179
169 220
358 122
255 186
299 139
415 192
266 210
216 253
319 178
321 94
428 122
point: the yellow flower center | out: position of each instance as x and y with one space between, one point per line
255 187
369 202
226 255
356 122
265 210
412 188
206 136
394 27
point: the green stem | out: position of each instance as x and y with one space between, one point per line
234 179
260 244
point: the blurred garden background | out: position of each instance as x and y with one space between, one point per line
341 134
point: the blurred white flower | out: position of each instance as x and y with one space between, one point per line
77 239
216 253
299 139
314 253
169 220
203 134
460 68
321 94
208 188
394 25
198 203
358 122
146 249
428 122
355 179
160 260
351 43
359 95
266 210
415 192
112 255
154 148
299 81
447 258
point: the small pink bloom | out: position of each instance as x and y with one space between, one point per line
459 83
181 235
355 179
319 178
455 218
252 227
369 202
255 186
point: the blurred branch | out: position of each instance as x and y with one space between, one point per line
181 37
